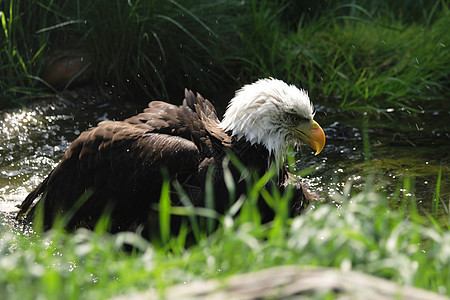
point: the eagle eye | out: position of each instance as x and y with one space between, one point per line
295 119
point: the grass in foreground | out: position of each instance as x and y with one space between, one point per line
362 234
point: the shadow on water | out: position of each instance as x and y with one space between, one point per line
403 165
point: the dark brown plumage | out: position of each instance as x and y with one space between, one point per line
121 165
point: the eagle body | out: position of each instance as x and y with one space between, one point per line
118 168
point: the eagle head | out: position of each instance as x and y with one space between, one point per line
274 114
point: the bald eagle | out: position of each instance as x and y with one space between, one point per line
121 163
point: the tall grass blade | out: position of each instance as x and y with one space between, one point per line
4 26
60 25
437 192
209 197
197 19
366 141
186 31
164 211
188 209
61 221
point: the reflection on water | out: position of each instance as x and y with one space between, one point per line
33 139
403 166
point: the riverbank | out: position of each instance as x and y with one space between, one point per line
369 56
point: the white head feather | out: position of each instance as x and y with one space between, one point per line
258 114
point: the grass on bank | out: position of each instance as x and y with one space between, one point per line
369 55
362 234
351 58
140 47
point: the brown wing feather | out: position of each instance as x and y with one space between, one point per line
121 163
120 160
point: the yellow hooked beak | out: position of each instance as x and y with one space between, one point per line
312 134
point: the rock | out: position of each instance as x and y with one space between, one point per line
69 67
291 282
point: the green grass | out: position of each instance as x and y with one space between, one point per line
140 47
363 234
356 61
20 56
358 231
369 55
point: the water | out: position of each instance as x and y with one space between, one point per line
402 166
34 139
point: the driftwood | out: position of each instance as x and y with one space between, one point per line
291 282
